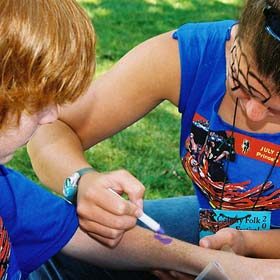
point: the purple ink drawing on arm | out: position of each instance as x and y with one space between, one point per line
162 239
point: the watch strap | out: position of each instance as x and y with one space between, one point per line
85 170
70 188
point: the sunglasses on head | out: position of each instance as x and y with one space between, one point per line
272 21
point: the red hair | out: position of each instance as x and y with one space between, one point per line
47 54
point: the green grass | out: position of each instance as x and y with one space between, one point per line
149 148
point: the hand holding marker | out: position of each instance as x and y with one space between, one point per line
145 219
152 224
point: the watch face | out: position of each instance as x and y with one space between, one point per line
69 190
68 183
70 186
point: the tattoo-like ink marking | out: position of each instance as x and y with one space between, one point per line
241 79
162 239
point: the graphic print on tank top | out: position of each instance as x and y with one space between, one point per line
207 154
5 251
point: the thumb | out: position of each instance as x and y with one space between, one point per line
205 243
128 207
215 241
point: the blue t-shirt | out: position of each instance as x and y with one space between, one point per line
222 179
34 225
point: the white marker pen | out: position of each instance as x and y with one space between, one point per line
145 219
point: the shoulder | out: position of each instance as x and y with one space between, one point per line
206 28
155 65
199 42
157 49
200 34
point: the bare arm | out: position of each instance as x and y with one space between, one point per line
138 250
257 244
138 83
142 79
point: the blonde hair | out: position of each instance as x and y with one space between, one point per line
47 54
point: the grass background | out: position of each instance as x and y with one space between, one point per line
149 148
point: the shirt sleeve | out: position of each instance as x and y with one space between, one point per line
39 223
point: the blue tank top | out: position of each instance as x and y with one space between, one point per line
221 179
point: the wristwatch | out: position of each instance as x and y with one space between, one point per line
70 185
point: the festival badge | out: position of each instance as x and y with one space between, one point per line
212 220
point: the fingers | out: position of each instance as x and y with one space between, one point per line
106 200
109 242
106 222
222 240
227 239
114 203
103 214
130 185
103 225
107 228
216 241
96 192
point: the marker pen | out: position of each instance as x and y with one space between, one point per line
145 219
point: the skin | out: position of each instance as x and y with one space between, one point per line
94 199
14 137
116 100
146 253
131 252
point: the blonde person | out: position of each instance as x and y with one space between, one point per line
224 77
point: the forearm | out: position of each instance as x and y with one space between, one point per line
139 250
55 152
262 244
